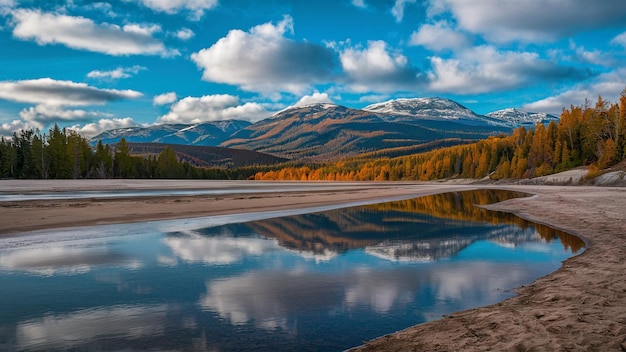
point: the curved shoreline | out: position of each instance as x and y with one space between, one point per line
581 306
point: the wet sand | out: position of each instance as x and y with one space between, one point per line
580 307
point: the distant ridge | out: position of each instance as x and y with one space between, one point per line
325 131
204 156
202 134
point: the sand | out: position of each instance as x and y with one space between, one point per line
580 307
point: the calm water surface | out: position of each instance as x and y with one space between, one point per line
320 282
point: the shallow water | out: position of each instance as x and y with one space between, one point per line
321 281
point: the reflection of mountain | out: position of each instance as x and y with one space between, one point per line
421 229
416 229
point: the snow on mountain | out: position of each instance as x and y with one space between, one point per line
522 118
313 108
431 109
204 134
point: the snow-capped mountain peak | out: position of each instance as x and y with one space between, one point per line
430 109
520 117
314 107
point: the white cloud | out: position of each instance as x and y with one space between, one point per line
7 128
95 128
263 60
359 3
619 40
42 114
531 21
377 68
439 37
118 73
398 9
609 86
185 34
83 34
485 69
195 7
213 108
314 98
165 98
66 93
595 57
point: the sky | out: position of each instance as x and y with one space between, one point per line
97 65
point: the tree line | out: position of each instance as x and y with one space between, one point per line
589 135
64 154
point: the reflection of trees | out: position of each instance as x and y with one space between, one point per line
424 228
461 206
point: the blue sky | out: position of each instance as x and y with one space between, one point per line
97 65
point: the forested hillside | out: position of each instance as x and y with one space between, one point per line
593 135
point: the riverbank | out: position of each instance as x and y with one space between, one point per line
581 306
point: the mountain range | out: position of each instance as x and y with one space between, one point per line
324 132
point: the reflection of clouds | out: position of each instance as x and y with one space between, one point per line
61 259
194 248
268 298
70 330
325 256
473 284
382 291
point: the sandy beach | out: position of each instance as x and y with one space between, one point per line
580 307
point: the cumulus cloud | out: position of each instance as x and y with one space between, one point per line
608 85
45 114
377 68
531 21
486 69
398 9
314 98
54 92
213 108
118 73
84 34
165 98
264 60
196 8
185 34
7 128
95 128
439 36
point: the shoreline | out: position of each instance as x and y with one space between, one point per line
580 306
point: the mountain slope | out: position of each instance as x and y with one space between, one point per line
206 156
202 134
416 110
328 132
522 118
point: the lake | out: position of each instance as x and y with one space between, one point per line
322 281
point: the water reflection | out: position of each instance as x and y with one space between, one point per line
321 281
